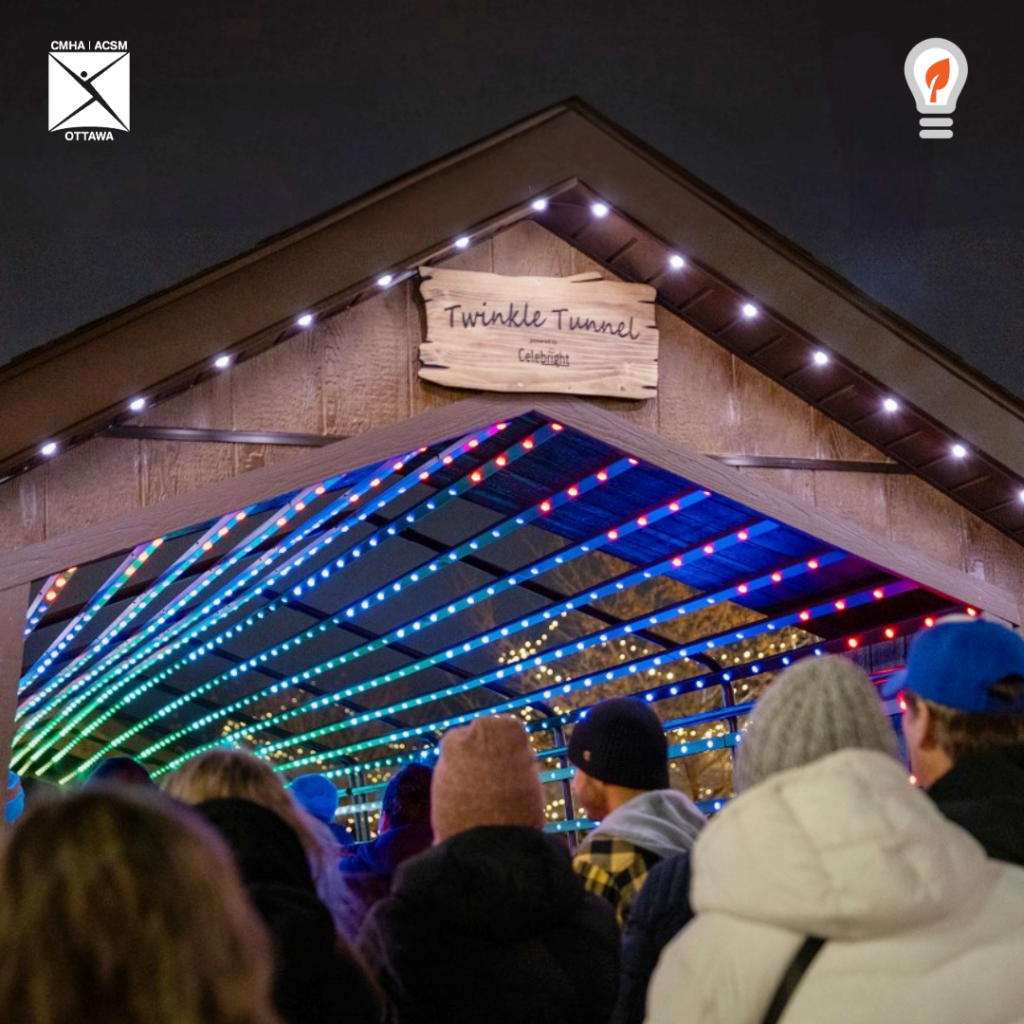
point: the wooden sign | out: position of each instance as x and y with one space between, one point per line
579 335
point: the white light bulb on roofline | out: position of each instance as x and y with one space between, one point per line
461 243
384 280
540 205
222 362
137 404
50 448
959 451
890 405
676 262
821 358
599 210
305 320
749 310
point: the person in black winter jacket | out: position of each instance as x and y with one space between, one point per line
316 979
658 914
492 925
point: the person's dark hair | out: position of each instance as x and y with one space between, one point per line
120 771
407 796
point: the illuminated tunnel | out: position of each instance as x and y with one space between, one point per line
457 565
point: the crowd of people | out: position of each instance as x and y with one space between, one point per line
830 889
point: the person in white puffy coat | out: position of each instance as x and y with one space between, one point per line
828 838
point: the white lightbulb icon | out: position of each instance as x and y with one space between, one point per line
936 71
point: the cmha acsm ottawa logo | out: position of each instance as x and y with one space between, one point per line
89 89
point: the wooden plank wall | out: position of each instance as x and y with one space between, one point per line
357 371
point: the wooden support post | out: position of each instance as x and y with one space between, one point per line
13 604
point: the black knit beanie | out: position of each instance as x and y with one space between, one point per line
621 742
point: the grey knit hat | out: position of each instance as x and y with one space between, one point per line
813 709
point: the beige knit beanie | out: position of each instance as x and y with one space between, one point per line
487 775
813 709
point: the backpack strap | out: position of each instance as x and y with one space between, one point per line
794 972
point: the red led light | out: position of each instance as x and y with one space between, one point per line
776 577
902 702
878 594
502 426
375 482
709 549
674 507
353 498
528 443
812 564
742 588
51 595
473 443
602 476
613 534
840 605
804 616
634 462
320 489
207 545
556 426
742 535
642 521
545 506
573 492
396 467
912 779
424 475
929 622
853 643
972 612
60 582
476 476
448 460
707 494
222 532
239 516
130 571
282 521
677 561
501 460
890 633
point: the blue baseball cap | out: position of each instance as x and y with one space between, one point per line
957 661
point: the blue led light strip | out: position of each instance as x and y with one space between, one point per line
415 515
599 678
583 643
420 574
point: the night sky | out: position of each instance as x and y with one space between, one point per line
248 118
